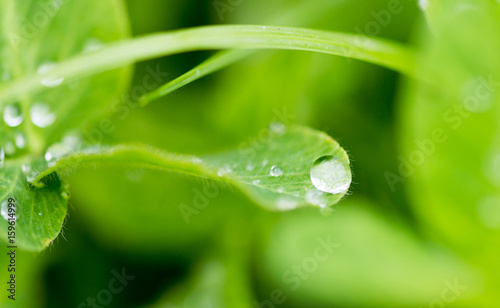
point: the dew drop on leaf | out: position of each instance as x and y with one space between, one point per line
92 44
10 148
330 174
41 115
12 115
48 82
4 211
276 171
278 128
2 156
20 140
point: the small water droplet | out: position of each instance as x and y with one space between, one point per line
277 128
20 140
48 82
2 156
196 160
264 162
250 167
424 4
4 211
41 115
65 194
489 211
280 190
9 148
12 115
317 197
40 214
55 152
92 44
224 170
255 182
276 171
331 175
286 204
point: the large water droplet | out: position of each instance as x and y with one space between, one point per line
331 175
276 171
48 82
12 115
41 115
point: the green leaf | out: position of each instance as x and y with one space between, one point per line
283 169
372 50
450 135
33 37
39 213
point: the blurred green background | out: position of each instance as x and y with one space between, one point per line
417 242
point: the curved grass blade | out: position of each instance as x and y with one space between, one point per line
209 66
377 51
281 172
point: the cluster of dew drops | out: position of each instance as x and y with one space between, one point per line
329 175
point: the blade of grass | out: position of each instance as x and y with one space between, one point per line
212 64
377 51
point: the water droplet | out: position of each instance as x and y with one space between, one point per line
41 115
276 171
196 160
250 167
280 190
489 211
317 197
31 175
264 162
424 4
277 128
255 182
331 175
48 82
286 204
2 156
12 115
55 152
10 148
224 170
20 140
4 211
40 214
65 194
92 44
